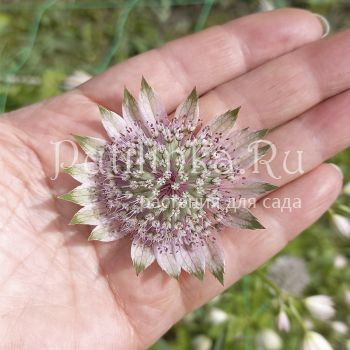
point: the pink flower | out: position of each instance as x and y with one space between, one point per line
168 184
283 323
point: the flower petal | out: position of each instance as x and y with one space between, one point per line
103 233
83 173
241 218
246 135
214 258
188 110
132 114
113 123
142 255
92 146
241 139
248 158
150 104
82 195
250 188
86 216
192 260
167 261
130 109
225 122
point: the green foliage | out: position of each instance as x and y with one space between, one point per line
64 36
43 42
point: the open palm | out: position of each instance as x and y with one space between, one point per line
59 291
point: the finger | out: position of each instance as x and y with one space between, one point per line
246 250
208 58
305 142
318 134
230 50
283 88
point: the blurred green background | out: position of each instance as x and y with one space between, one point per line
49 46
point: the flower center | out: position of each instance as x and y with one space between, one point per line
161 184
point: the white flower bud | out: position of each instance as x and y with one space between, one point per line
77 78
265 5
320 306
189 318
283 323
215 300
308 324
268 339
217 316
340 327
315 341
202 342
347 297
347 189
342 224
340 262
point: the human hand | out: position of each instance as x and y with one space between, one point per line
59 291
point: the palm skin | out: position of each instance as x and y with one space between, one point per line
57 290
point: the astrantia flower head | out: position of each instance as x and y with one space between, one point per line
169 184
290 274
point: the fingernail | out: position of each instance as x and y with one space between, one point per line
337 168
325 24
